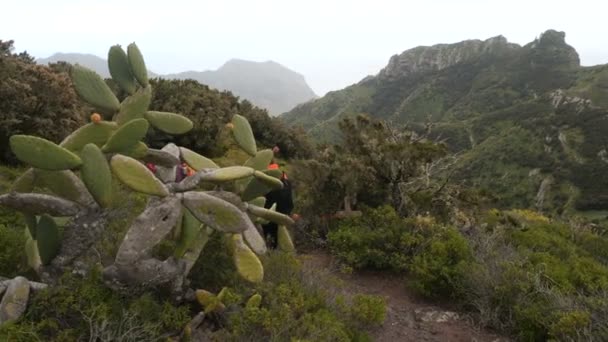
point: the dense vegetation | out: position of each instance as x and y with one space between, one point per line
383 196
517 115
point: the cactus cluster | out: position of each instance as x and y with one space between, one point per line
78 173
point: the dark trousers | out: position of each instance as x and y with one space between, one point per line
271 234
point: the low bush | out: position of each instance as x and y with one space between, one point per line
434 255
302 304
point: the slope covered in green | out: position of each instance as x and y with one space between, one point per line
529 122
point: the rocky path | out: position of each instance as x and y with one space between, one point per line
408 318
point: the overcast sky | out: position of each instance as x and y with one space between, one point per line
332 43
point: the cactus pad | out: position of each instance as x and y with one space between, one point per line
258 201
118 64
196 161
270 181
255 240
47 238
254 301
243 134
138 66
65 184
191 228
216 213
134 106
227 174
96 175
261 160
43 154
25 182
169 122
284 240
247 263
96 133
270 215
31 251
126 136
136 176
138 151
93 89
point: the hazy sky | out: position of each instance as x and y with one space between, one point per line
332 43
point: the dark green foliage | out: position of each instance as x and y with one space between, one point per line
34 100
301 303
435 256
210 110
77 308
504 107
537 279
12 254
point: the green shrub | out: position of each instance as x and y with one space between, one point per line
368 310
435 255
78 308
301 304
12 251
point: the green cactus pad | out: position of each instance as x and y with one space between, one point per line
96 174
216 213
255 240
222 294
258 201
227 174
31 251
254 301
95 133
270 215
93 89
138 151
25 182
196 161
191 228
138 66
270 181
118 64
65 184
247 263
43 154
169 122
134 106
47 238
243 134
261 160
274 173
126 136
284 240
136 176
31 221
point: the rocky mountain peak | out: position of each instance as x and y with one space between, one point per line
441 56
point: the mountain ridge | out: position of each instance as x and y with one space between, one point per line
521 116
266 84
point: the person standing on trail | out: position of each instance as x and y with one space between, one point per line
283 198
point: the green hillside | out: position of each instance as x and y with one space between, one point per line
528 121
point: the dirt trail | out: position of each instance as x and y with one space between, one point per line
408 318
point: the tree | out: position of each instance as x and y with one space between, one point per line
34 100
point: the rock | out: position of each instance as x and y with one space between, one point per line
435 316
15 299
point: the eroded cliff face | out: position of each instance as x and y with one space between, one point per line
437 57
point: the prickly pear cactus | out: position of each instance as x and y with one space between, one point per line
78 173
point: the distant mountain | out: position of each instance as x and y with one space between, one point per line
530 123
97 64
267 85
